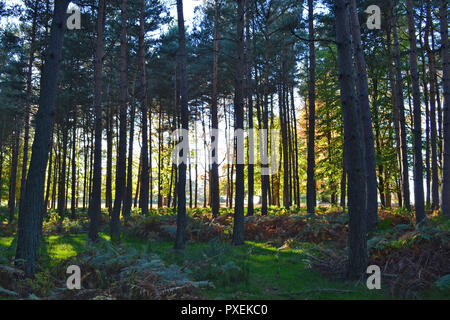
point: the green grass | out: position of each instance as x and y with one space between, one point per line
253 271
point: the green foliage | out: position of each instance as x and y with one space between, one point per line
444 282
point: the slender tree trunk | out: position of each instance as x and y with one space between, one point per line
26 138
62 176
1 172
445 198
145 170
74 168
251 149
401 109
29 214
363 98
122 149
396 111
109 158
95 197
13 173
238 227
215 192
311 183
49 182
354 146
181 187
433 125
417 131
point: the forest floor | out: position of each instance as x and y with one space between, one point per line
287 255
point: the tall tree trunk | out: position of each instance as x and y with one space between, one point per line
62 176
354 146
129 187
251 149
122 149
238 227
26 138
181 186
364 105
13 173
74 167
109 157
433 124
49 180
311 183
427 125
401 109
393 87
95 197
144 171
29 213
445 198
284 147
1 172
215 192
417 131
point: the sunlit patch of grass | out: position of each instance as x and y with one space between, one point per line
5 242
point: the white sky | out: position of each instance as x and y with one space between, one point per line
189 6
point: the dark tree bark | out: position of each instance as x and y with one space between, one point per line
364 105
401 109
122 150
2 159
251 151
433 124
26 138
417 131
181 186
73 198
311 183
129 187
45 203
29 214
62 176
284 146
445 198
238 227
215 196
13 173
109 157
296 177
95 197
393 87
354 146
145 170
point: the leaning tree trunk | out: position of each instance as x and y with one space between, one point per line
354 146
418 160
95 198
29 214
181 186
445 198
363 98
238 227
